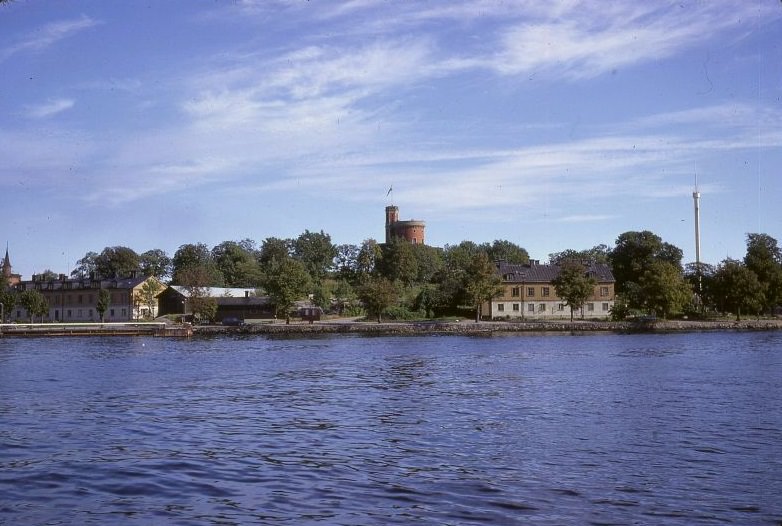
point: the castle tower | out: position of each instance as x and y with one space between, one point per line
411 231
392 216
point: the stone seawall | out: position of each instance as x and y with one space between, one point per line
489 328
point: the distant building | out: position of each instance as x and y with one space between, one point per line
528 293
76 299
231 302
411 230
10 278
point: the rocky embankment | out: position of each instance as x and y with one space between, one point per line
488 328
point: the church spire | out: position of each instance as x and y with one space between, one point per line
6 263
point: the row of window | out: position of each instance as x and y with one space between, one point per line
79 313
546 292
541 307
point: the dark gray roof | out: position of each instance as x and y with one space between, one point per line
83 283
537 273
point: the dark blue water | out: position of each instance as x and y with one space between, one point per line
597 429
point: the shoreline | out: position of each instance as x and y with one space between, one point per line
468 328
390 328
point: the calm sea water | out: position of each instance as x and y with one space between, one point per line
595 429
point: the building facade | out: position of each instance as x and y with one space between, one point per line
528 293
76 299
410 230
231 302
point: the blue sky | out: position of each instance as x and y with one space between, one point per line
554 125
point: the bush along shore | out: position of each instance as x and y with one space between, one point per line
488 327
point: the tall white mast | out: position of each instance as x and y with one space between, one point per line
696 197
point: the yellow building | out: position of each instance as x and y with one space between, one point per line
76 299
529 294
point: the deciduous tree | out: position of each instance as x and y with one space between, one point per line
102 305
286 281
156 263
664 289
635 252
34 303
574 285
378 294
194 261
738 288
117 262
764 258
482 283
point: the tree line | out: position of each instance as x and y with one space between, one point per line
405 281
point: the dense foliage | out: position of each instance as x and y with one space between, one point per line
403 280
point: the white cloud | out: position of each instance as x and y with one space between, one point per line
48 35
590 39
50 108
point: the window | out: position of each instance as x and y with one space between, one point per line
501 307
603 291
542 307
605 307
111 312
530 291
514 292
79 313
70 314
590 307
531 307
561 307
546 291
515 307
80 299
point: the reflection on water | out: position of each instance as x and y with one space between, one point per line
601 429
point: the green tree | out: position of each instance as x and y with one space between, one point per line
574 285
596 254
345 262
344 295
322 294
700 277
85 266
482 282
316 251
148 294
664 289
156 263
369 256
457 257
285 282
194 261
238 265
764 258
503 250
8 299
34 303
274 249
399 262
117 262
634 254
430 262
102 305
738 288
378 294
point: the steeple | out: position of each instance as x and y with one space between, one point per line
6 264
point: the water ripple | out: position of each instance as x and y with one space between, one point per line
671 429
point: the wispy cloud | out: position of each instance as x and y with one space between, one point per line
49 108
47 36
589 39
